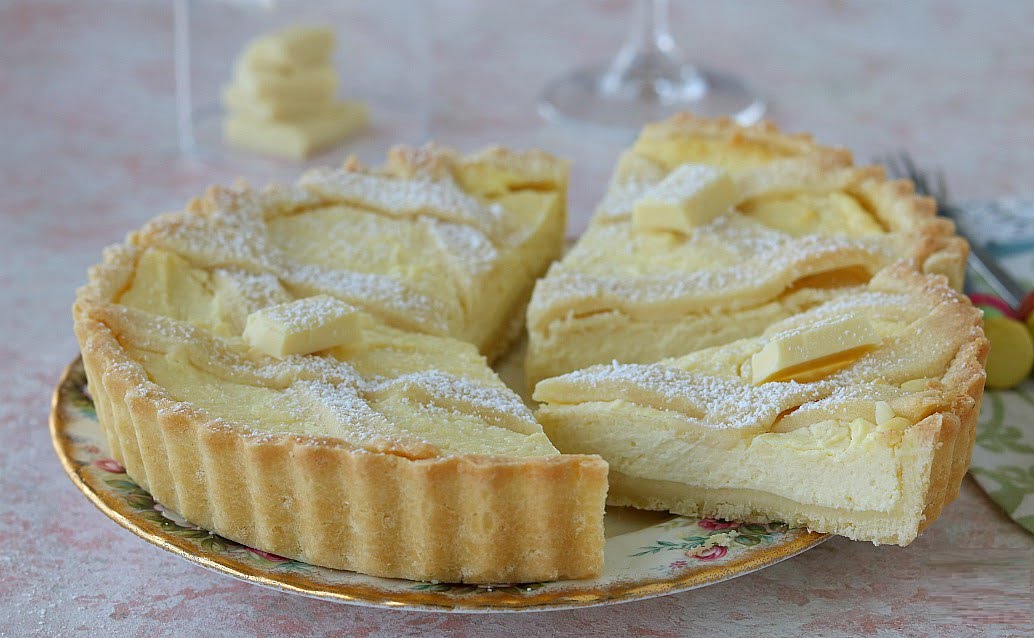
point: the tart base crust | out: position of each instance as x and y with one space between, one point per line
477 519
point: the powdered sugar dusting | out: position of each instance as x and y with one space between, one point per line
710 401
382 294
229 231
441 198
621 198
613 266
468 245
491 403
308 313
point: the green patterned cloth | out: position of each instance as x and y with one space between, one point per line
1003 457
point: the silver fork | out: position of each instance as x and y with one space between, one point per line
900 165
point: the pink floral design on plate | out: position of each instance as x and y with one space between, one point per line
110 465
273 558
712 553
715 524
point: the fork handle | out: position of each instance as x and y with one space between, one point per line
1002 282
1004 285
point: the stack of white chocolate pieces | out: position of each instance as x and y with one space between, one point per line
281 100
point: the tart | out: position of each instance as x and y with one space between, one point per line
368 434
805 226
305 368
869 444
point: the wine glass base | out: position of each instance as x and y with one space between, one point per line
588 97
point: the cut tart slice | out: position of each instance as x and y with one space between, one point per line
277 368
668 266
855 417
433 241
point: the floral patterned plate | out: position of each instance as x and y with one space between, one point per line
647 554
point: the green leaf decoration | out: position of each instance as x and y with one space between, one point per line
659 546
140 501
1021 392
213 545
152 516
122 484
1014 482
994 435
191 533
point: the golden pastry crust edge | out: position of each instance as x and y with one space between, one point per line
732 133
937 249
479 519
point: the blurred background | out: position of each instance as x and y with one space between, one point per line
952 82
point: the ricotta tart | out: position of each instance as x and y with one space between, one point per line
751 328
710 232
855 417
303 369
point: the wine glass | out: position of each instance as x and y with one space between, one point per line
647 80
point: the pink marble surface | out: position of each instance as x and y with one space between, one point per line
87 152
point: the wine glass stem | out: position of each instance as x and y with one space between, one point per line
649 54
654 34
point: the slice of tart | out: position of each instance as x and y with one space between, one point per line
854 417
433 241
710 232
299 370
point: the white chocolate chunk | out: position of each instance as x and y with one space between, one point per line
281 100
915 385
812 352
303 326
884 412
690 196
299 138
291 46
897 424
314 84
238 101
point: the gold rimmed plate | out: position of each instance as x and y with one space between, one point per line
646 554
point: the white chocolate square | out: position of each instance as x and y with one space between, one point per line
292 46
303 326
811 352
237 101
690 196
296 139
312 83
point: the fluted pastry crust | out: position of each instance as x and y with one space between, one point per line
403 506
397 507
